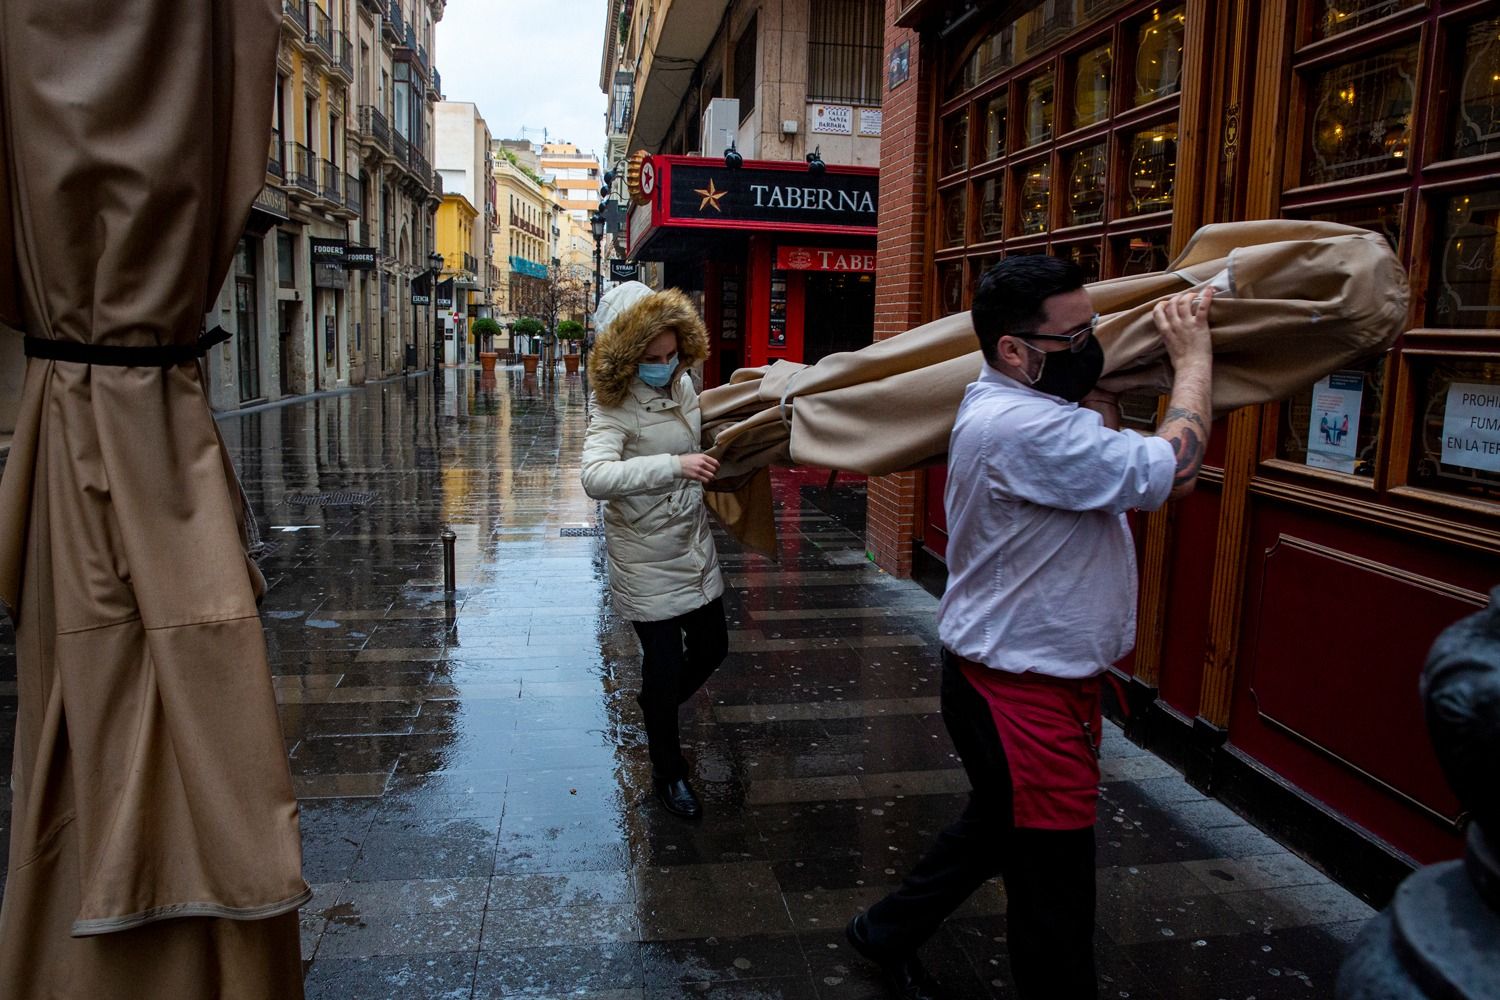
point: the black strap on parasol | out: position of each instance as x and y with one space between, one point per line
119 356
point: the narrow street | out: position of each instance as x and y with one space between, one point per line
473 772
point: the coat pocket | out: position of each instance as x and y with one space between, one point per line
645 514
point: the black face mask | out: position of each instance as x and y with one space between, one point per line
1070 374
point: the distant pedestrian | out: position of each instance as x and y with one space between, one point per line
642 456
1040 600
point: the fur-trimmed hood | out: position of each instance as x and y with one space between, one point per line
618 350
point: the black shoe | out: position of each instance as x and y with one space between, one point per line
904 973
678 798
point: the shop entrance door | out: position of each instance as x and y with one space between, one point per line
286 322
839 314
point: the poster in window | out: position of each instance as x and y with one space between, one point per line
778 309
1471 426
899 67
1333 424
330 338
729 308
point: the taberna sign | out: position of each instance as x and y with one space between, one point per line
711 193
624 270
824 259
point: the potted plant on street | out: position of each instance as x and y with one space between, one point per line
485 332
531 328
570 331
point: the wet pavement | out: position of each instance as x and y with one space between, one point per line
472 772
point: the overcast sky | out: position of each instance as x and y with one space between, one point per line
527 62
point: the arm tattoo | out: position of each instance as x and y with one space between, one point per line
1188 447
1183 413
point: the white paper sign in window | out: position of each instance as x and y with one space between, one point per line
1471 426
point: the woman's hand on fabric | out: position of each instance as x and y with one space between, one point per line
697 467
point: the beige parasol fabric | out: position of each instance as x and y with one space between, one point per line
1294 301
154 849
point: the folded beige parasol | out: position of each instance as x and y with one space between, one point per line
154 851
1293 302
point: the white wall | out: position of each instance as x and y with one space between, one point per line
453 148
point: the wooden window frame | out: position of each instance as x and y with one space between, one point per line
1428 177
1124 118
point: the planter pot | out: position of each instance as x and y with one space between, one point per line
570 364
529 363
487 360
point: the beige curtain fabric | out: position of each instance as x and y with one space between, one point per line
154 850
1294 301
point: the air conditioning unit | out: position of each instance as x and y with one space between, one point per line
721 124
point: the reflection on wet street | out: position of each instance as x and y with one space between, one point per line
473 771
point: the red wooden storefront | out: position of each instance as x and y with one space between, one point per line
783 258
1288 605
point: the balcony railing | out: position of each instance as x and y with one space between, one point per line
333 186
274 166
373 124
354 197
343 53
304 167
295 11
420 166
400 146
437 83
374 6
319 30
471 264
393 25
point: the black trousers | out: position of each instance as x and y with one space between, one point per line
1049 874
678 655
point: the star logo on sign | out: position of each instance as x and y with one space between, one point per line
710 196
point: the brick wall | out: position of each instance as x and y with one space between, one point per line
900 278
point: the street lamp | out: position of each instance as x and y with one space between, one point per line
435 268
596 223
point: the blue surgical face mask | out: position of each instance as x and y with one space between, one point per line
657 375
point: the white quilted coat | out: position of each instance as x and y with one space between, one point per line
662 561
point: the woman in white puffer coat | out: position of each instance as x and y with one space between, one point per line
641 456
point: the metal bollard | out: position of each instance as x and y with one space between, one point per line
449 538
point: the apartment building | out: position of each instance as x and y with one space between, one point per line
320 293
467 222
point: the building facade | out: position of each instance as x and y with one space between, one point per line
319 296
522 239
467 222
754 132
576 177
1287 605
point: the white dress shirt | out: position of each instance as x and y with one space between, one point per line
1041 564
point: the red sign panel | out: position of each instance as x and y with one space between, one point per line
824 259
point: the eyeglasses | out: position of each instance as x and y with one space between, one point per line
1076 338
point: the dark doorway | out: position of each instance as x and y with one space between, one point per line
286 322
839 314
